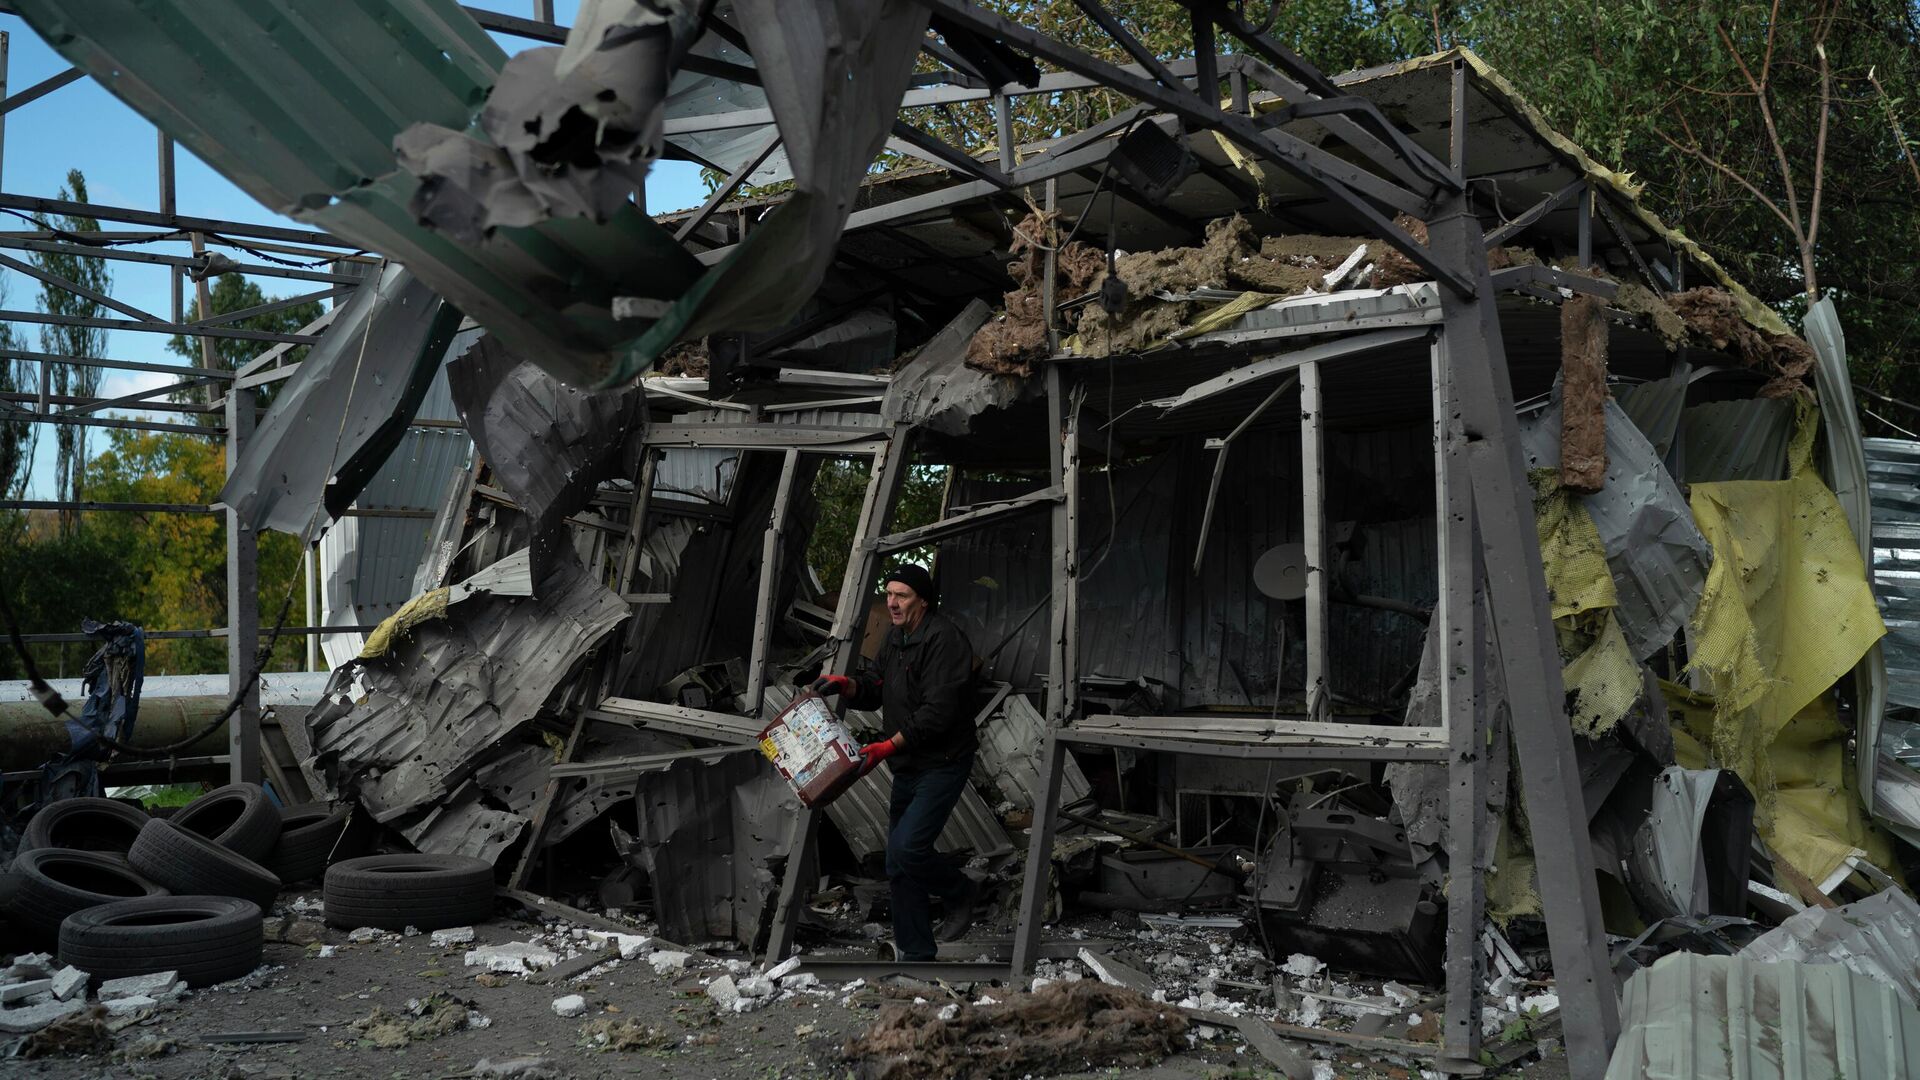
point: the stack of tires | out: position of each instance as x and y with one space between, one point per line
119 893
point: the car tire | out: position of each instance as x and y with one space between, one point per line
207 939
313 838
191 865
53 883
238 817
393 892
84 824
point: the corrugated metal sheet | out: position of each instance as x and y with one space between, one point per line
1212 638
438 703
1691 1017
1655 552
1012 744
712 836
1655 408
1735 440
696 474
1893 471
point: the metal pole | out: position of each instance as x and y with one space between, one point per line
169 205
769 583
1314 539
208 359
243 608
310 568
1517 605
6 43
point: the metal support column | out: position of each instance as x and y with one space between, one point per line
769 583
1464 707
168 205
1063 459
1516 599
243 608
310 570
1039 871
856 585
6 43
1313 525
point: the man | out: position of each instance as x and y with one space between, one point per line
921 682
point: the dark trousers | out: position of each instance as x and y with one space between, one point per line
922 799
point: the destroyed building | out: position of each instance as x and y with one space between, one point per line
1379 532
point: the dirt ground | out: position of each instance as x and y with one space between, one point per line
297 990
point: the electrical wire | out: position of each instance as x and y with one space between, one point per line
55 704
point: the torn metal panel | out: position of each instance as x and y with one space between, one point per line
1655 553
516 777
833 74
435 704
1694 1017
1893 469
549 444
712 837
1735 440
936 390
1690 855
1012 748
1878 937
1847 475
1655 407
345 408
461 824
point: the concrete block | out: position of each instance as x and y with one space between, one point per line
127 1006
28 1020
458 935
757 987
630 945
783 969
570 1006
21 990
513 958
69 981
724 994
668 960
154 985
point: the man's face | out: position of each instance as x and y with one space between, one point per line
904 606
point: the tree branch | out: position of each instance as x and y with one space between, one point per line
1709 160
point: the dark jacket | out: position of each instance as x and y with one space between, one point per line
923 685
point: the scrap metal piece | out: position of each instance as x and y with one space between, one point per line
1010 755
1655 552
937 391
549 444
436 703
1878 937
1720 1017
461 825
344 410
713 837
1690 855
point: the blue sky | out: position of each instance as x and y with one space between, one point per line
81 126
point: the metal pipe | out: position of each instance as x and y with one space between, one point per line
1095 823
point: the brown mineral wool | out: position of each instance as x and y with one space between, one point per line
1062 1027
1012 340
1714 318
1640 300
1583 395
1393 268
689 358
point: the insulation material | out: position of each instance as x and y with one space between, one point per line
432 708
1786 610
1716 319
1012 340
1583 395
1727 1017
549 444
344 409
1654 551
1602 677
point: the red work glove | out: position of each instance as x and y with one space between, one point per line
833 684
874 753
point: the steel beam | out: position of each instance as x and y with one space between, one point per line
272 306
185 329
727 187
243 609
1285 363
76 288
1343 182
1517 602
980 518
1313 472
1037 880
178 262
1534 213
40 89
35 205
770 560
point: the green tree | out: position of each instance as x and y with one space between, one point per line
17 437
231 293
79 380
840 487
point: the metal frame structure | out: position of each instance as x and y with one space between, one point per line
1489 565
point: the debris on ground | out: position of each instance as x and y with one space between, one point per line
618 1034
422 1019
1067 1027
